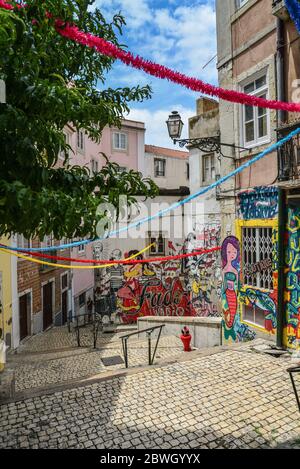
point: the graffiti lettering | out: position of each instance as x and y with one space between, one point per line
259 203
265 264
292 290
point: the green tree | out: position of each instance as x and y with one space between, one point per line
51 82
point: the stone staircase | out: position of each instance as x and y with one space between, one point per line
53 361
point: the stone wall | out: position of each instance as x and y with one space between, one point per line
206 332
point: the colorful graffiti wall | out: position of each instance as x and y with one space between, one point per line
250 267
233 329
260 203
292 290
203 275
127 292
191 287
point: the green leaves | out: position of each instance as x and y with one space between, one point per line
12 28
51 82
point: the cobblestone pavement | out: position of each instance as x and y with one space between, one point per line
42 370
58 338
231 399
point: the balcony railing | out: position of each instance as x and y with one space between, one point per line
279 9
289 158
46 268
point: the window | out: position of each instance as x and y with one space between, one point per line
298 153
48 241
159 167
64 282
209 170
257 257
256 120
119 141
240 3
158 239
82 299
122 169
255 315
81 247
187 171
23 242
94 166
80 140
62 155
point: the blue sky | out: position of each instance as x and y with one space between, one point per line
177 33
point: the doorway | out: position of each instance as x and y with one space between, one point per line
64 306
25 315
47 305
64 298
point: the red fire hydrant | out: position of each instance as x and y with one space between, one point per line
186 339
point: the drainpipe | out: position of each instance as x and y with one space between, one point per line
280 69
282 206
282 211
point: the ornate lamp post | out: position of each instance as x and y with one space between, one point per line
205 144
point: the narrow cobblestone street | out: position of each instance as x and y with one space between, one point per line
52 358
230 399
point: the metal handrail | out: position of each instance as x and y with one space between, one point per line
70 319
96 321
148 331
295 369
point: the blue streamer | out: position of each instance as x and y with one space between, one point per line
293 7
202 191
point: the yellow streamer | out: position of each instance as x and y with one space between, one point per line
62 266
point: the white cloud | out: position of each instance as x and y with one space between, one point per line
156 127
136 12
181 37
193 31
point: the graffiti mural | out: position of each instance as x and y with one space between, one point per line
292 291
258 203
264 302
230 255
233 329
203 273
187 287
126 292
258 293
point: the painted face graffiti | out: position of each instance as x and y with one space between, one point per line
230 254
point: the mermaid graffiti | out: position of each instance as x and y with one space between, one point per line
232 327
230 254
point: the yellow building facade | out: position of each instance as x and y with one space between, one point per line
5 297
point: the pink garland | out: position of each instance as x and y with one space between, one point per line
160 71
7 6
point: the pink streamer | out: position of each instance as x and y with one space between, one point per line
160 71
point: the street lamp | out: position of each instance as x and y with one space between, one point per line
205 144
175 125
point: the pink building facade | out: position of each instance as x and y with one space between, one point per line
124 146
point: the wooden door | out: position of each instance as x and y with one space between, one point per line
23 314
47 305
